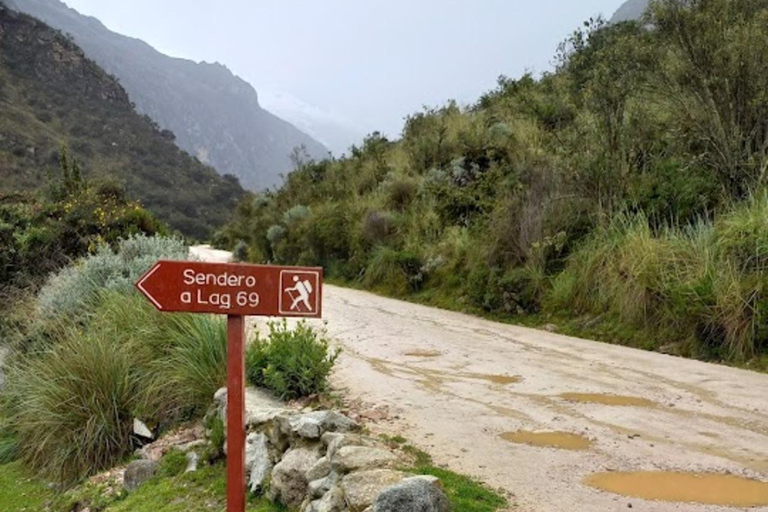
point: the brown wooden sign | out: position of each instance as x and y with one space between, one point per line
234 289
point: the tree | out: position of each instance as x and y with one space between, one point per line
716 74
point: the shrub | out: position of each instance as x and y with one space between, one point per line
276 233
67 292
240 252
396 271
295 214
293 363
400 193
377 226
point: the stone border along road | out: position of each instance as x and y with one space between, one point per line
456 383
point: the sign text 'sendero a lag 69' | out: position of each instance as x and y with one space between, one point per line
234 289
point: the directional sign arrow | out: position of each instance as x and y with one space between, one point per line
233 288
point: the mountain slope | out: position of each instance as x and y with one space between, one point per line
50 94
214 114
630 10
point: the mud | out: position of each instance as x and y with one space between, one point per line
607 399
707 489
561 440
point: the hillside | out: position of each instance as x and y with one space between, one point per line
51 94
630 10
621 196
214 114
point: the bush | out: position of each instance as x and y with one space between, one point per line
240 252
293 363
396 271
69 291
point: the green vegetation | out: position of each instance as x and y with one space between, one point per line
50 94
200 491
464 493
622 195
293 363
19 491
92 355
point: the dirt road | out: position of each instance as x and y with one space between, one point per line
477 395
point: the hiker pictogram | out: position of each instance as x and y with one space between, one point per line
299 292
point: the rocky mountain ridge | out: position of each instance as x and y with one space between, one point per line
51 95
214 114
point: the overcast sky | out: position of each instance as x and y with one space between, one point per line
371 61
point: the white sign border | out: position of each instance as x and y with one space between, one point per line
315 293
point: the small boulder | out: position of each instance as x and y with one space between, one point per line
332 501
317 488
138 472
289 482
355 458
361 488
314 424
141 429
321 469
257 461
334 441
415 494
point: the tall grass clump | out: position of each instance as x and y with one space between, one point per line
75 405
293 363
702 285
194 366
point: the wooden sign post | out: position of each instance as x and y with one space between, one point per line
235 290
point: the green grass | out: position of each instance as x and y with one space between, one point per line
19 492
204 490
464 493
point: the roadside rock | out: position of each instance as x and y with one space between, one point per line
138 472
192 460
356 458
415 494
314 424
141 429
332 501
361 488
321 469
334 441
258 463
317 488
289 482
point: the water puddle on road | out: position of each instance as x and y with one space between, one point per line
562 440
704 488
604 399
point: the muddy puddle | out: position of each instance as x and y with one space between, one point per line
607 399
704 488
495 379
561 440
